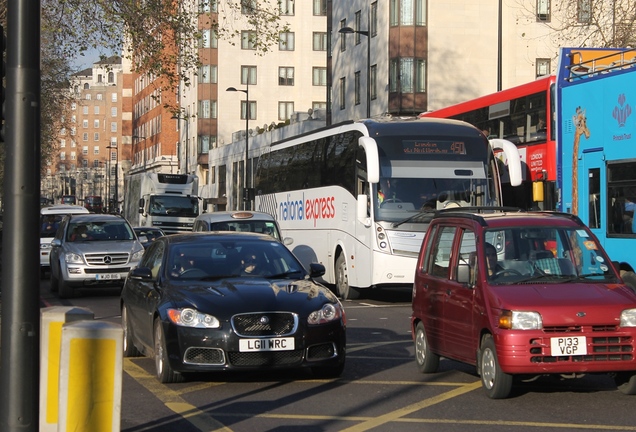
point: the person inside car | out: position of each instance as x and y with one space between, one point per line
80 233
491 261
251 263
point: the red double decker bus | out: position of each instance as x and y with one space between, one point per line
524 115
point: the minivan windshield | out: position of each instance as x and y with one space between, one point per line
547 253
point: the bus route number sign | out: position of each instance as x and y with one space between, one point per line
434 147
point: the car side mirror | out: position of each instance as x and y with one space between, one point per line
56 243
141 273
316 270
463 273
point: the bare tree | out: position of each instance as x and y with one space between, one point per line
586 23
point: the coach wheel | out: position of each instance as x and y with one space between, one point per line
342 280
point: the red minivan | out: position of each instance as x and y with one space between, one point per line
521 294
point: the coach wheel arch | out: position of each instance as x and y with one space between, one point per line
342 287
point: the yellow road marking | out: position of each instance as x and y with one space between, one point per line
389 417
172 400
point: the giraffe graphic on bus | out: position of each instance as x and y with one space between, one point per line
580 125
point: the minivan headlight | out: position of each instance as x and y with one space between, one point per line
520 320
628 318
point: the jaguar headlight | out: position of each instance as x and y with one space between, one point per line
189 317
328 313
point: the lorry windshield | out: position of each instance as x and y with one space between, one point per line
167 205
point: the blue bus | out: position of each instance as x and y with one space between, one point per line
596 147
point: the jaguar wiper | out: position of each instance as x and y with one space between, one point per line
283 275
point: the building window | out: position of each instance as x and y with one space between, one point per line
248 75
207 109
62 155
113 155
407 75
286 42
286 7
84 110
374 81
85 136
208 39
96 110
95 150
85 150
584 12
111 77
206 6
543 10
113 112
113 126
85 165
113 97
407 12
356 85
99 96
73 131
286 76
73 156
318 106
85 124
343 39
319 76
374 19
95 124
88 96
248 39
62 143
320 41
543 67
95 163
208 74
96 136
342 95
248 7
252 110
320 7
285 110
357 21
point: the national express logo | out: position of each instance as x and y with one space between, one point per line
307 209
622 111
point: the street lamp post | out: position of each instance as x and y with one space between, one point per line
247 119
187 140
137 137
348 30
116 195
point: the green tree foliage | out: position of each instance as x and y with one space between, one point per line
160 37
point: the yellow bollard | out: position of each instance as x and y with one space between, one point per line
91 377
50 343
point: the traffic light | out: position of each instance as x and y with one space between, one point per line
3 44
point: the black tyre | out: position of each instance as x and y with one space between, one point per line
629 278
328 372
55 283
66 291
626 382
495 382
427 361
130 350
344 291
165 374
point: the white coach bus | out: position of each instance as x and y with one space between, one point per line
357 196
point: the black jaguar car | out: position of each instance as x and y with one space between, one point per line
203 302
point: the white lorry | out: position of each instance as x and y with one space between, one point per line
166 201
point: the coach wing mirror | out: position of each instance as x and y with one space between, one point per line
513 159
362 210
372 159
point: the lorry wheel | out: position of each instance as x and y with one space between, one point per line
342 280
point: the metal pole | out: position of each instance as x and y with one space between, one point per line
247 119
187 147
20 334
368 62
116 179
499 48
